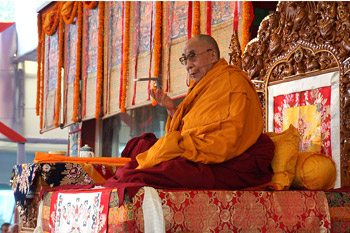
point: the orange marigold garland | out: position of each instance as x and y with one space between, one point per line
77 71
196 19
69 11
157 43
42 81
101 6
245 24
38 83
51 19
196 24
126 55
90 4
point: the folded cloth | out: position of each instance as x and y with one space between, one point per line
41 157
250 169
153 211
138 145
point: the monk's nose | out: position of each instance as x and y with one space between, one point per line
189 65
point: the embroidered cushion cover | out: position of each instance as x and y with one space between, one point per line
285 158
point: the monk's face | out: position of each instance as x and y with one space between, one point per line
200 58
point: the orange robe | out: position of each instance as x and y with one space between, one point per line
220 118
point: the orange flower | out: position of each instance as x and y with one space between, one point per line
196 19
90 4
126 55
38 83
69 11
51 19
101 6
157 44
246 20
77 71
42 81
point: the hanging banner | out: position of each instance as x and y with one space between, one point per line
51 57
142 20
174 75
70 61
222 20
89 64
114 17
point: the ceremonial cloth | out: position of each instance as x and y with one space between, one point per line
220 118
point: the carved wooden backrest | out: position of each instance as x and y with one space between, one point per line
301 39
235 51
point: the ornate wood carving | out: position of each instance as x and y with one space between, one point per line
236 52
300 38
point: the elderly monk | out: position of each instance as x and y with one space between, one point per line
214 137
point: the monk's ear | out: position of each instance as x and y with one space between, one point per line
213 56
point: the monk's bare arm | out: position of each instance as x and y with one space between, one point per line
164 100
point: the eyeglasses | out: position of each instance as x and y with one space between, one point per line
191 57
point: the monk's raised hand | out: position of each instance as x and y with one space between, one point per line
163 100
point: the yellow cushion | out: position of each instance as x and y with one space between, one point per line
285 158
314 171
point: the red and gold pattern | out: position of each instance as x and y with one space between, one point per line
231 211
311 132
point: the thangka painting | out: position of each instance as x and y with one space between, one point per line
143 17
222 19
50 80
174 75
312 106
309 112
114 20
70 60
74 139
89 71
92 206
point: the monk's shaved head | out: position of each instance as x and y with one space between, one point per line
210 41
200 55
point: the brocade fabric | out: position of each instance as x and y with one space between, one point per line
226 211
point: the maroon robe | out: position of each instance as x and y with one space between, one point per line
252 168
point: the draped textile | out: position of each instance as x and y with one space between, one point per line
309 112
89 68
58 173
138 145
22 178
82 211
51 58
142 53
230 211
219 119
70 60
174 74
252 168
222 20
113 56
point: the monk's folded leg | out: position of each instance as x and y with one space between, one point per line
175 173
252 168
